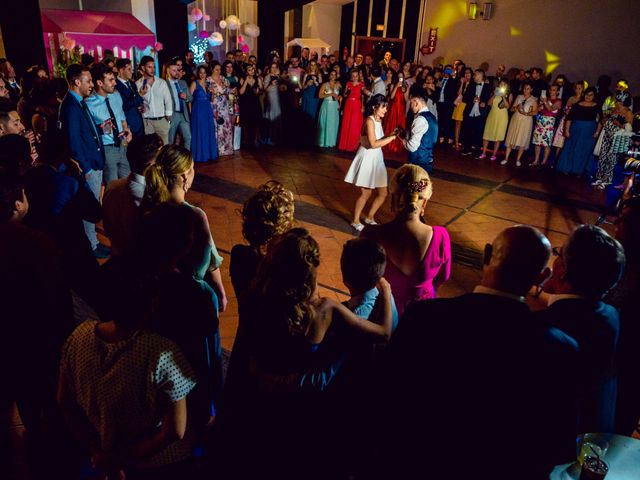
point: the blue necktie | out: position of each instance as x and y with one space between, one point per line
179 104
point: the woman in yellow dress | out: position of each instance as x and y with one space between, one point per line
458 111
496 127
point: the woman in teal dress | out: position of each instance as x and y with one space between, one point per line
329 117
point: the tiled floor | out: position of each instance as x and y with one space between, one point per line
473 199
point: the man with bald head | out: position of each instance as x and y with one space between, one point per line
466 376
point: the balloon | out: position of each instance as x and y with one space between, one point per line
223 24
251 30
240 39
233 22
159 46
245 48
206 17
191 27
197 14
215 39
203 34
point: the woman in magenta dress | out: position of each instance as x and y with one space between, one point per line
352 115
418 255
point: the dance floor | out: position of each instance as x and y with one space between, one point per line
473 199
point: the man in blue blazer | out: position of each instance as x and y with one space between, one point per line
84 139
132 102
587 266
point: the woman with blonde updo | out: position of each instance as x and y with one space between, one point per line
168 180
418 255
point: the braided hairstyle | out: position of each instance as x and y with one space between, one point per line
162 176
410 186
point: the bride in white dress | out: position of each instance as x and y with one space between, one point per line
367 169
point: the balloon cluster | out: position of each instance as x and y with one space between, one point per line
232 22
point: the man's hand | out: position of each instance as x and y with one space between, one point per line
182 95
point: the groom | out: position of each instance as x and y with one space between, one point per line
419 141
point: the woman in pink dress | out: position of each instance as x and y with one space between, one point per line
418 255
352 115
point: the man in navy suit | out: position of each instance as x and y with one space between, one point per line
467 374
588 265
84 140
446 94
132 102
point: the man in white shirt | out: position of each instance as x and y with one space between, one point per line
120 212
158 103
377 84
181 96
419 141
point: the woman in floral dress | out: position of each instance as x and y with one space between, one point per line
221 111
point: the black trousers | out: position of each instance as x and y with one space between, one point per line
445 110
472 130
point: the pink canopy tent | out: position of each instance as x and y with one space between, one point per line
94 32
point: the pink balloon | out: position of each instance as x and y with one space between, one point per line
240 38
197 14
245 48
203 34
159 46
206 18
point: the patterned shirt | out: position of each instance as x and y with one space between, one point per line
124 387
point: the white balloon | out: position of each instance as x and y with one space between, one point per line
223 24
215 39
251 30
233 22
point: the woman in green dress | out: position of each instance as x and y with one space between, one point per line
329 117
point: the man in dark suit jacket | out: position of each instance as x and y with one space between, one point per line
84 139
11 81
446 95
132 102
476 98
587 266
467 379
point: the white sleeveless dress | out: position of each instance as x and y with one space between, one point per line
367 168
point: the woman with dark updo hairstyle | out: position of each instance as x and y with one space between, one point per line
297 341
267 213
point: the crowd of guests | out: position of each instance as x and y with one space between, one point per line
392 383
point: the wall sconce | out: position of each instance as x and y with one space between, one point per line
473 10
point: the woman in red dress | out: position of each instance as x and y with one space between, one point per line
352 115
397 111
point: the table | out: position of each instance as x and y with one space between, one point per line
623 458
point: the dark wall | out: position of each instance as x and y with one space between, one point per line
23 40
171 28
411 21
346 24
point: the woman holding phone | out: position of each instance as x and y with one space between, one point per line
496 127
519 134
548 110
